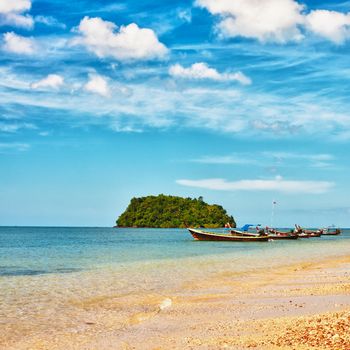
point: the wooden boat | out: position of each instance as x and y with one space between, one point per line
314 233
272 234
213 236
311 233
302 232
330 231
275 234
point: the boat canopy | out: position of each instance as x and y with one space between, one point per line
246 227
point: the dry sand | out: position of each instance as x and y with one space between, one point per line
304 306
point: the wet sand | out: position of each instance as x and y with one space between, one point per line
300 306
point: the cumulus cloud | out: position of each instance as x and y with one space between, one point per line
278 184
203 71
52 81
265 20
18 44
10 6
97 84
278 21
129 42
12 12
332 25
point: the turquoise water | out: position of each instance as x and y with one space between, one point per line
52 278
61 250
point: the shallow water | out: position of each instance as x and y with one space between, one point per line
59 275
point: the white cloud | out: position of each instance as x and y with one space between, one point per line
52 81
10 6
125 128
216 109
6 147
49 21
14 127
44 133
322 160
276 126
278 21
289 155
277 184
332 25
12 13
305 160
185 15
97 84
128 43
201 70
265 20
17 20
18 44
223 160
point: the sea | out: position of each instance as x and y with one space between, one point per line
53 275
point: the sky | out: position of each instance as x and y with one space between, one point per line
243 102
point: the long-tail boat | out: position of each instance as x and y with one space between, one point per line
275 234
200 235
331 231
303 235
309 233
282 235
271 234
317 233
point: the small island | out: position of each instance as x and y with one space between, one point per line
171 211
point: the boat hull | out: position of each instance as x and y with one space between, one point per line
274 237
315 234
210 236
303 235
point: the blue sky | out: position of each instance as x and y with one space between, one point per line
241 102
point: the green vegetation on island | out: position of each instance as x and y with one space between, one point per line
170 211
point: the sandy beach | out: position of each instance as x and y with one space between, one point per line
299 306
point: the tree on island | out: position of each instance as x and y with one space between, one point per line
170 211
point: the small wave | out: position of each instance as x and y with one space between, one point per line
8 271
166 303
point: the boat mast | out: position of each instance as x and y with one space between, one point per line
273 213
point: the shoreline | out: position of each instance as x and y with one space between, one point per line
286 307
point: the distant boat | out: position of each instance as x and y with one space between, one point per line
331 231
302 233
213 236
317 233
